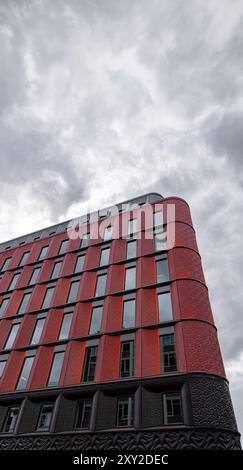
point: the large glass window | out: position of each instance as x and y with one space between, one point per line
89 364
85 240
12 335
83 414
3 306
43 253
127 359
24 258
73 291
131 249
63 247
14 281
132 226
2 366
6 263
96 318
104 256
162 270
38 331
159 240
56 369
66 325
108 233
25 373
168 353
158 218
164 307
35 274
56 270
100 285
24 303
79 264
125 411
11 419
130 278
48 297
172 408
128 320
45 417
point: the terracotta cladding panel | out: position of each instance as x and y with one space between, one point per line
5 326
68 264
201 346
13 304
182 211
25 331
36 298
52 325
81 319
92 257
73 363
12 371
147 353
145 245
115 279
61 292
46 270
112 314
185 236
118 251
5 281
146 307
87 285
41 367
187 264
108 358
146 271
24 276
193 301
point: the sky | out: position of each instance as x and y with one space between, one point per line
104 100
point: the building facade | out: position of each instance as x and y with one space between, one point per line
110 343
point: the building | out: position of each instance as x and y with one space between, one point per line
110 343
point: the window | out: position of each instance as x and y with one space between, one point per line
66 325
79 264
104 256
130 278
84 240
95 323
6 263
38 331
63 247
107 233
100 285
25 373
132 226
83 414
162 270
14 281
168 353
128 318
48 297
172 408
159 241
11 419
34 276
125 411
45 417
56 368
43 252
24 258
3 306
127 359
56 270
73 291
158 218
164 307
24 303
89 364
131 249
12 335
2 366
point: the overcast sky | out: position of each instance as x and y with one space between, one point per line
103 100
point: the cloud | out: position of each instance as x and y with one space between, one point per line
103 101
